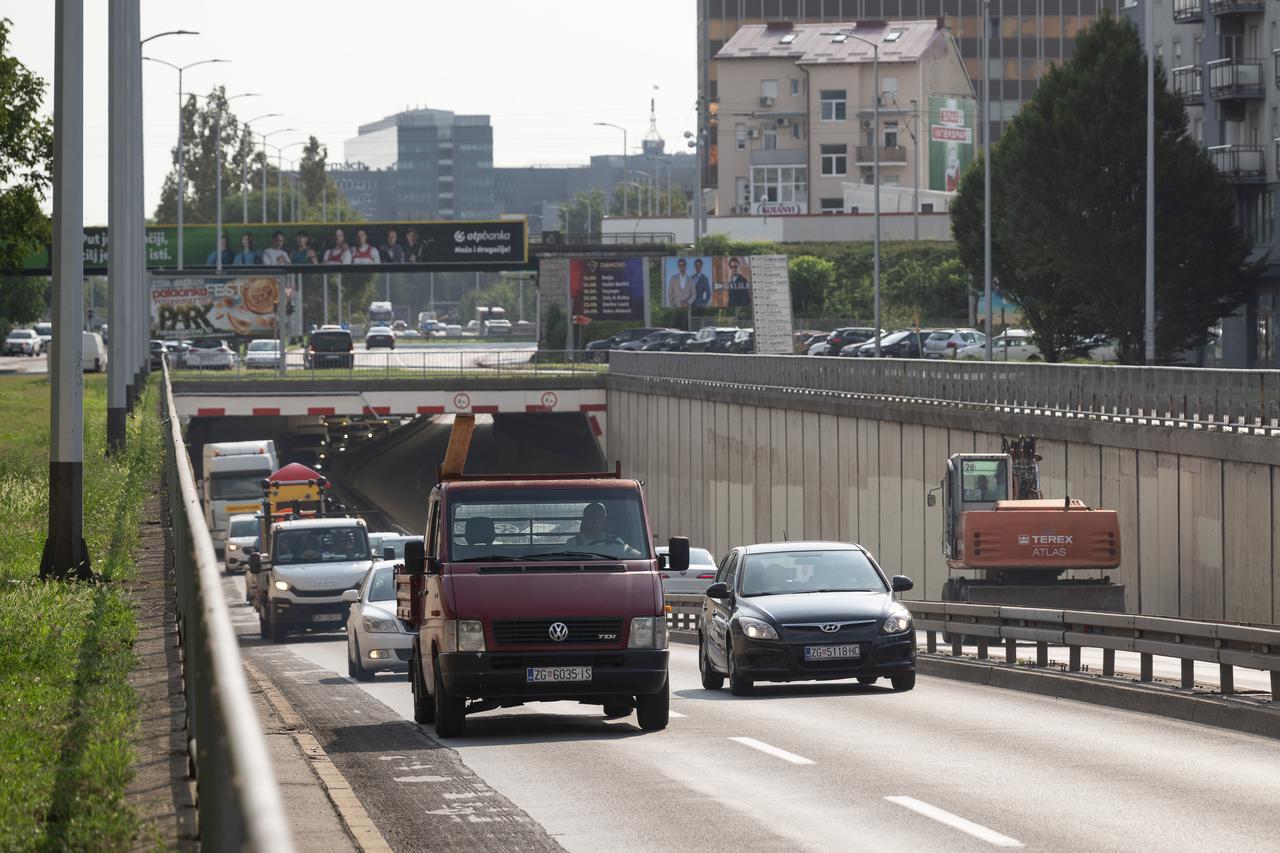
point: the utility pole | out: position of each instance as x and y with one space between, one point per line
986 171
65 554
1149 326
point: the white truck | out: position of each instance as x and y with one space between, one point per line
381 314
303 572
233 472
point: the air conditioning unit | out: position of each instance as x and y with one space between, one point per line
733 211
753 133
784 122
766 101
866 123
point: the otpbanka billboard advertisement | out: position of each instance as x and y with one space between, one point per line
952 138
228 306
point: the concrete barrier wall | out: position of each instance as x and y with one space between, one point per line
1197 528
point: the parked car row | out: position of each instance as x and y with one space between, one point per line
39 339
716 339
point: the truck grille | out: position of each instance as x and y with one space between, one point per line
536 632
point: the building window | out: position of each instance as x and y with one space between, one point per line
1266 218
888 85
834 104
796 131
833 205
768 89
890 134
770 139
795 85
835 159
779 184
740 136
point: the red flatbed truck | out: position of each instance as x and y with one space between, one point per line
535 588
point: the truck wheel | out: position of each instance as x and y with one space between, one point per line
738 684
355 667
653 710
274 626
424 709
451 712
711 680
903 681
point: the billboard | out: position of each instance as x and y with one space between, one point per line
702 281
607 289
497 243
952 139
771 304
226 305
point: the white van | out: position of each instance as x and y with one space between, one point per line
95 353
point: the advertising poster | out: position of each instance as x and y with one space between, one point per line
498 243
686 281
607 289
771 304
234 306
731 287
952 140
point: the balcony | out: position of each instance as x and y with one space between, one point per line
1188 82
895 156
1187 12
1241 164
1236 79
1237 7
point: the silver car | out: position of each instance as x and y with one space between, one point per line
700 575
391 547
376 639
262 353
242 540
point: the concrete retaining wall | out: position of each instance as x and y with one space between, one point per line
1198 516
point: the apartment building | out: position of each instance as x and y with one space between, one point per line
798 108
1223 58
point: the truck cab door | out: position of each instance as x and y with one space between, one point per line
431 606
949 505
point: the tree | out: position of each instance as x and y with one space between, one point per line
811 279
311 172
1068 209
26 158
23 300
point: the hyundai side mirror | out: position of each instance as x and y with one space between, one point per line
389 552
902 583
718 590
678 553
414 558
255 562
351 596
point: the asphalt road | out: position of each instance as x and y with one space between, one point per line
836 766
10 364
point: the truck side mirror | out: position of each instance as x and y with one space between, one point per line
931 500
389 552
255 562
678 553
414 558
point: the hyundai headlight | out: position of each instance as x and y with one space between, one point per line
283 586
648 632
382 626
757 629
896 623
464 635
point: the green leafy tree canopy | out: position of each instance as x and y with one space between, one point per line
26 157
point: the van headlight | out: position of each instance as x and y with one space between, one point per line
464 635
648 632
896 623
231 546
283 586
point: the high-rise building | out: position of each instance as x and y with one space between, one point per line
421 164
1026 36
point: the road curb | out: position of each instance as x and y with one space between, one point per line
1222 712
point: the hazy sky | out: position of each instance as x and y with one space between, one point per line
544 70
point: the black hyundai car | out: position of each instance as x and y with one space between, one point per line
804 611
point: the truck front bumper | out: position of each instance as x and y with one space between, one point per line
506 674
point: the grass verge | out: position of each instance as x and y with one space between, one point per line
67 712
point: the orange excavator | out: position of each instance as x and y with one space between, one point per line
1014 545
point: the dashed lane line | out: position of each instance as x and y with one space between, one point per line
769 749
942 816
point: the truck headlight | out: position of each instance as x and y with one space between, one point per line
464 635
231 546
896 623
757 629
382 626
283 586
648 632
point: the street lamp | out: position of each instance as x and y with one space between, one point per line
264 165
986 171
280 177
875 147
170 33
181 153
244 169
625 158
648 183
217 146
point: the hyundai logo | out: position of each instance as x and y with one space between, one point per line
830 627
558 632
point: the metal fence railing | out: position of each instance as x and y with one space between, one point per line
238 801
1193 398
418 363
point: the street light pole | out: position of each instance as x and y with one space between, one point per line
264 166
986 172
217 153
626 161
875 147
244 168
1149 329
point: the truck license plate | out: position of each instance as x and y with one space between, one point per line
852 650
326 617
538 674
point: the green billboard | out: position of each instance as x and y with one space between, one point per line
952 140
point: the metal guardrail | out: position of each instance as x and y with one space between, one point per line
1244 401
1227 645
418 363
238 801
990 625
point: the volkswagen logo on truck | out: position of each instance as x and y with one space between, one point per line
558 632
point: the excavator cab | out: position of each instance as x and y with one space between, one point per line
974 481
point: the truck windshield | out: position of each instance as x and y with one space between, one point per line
320 545
237 486
548 524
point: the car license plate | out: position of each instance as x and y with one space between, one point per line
326 617
852 650
539 674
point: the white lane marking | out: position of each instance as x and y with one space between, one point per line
676 715
421 778
977 830
771 750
